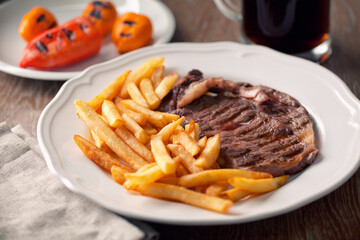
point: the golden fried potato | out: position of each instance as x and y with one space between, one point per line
166 131
216 189
258 185
138 117
109 92
210 153
185 157
111 114
216 175
235 194
149 94
144 71
136 95
157 75
189 143
155 118
135 129
94 122
118 174
135 144
181 194
99 157
166 85
147 176
161 155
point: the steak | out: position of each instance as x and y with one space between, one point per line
260 128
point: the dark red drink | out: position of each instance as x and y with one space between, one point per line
290 26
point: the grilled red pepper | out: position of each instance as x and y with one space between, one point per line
69 43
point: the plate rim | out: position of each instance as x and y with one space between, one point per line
73 186
64 76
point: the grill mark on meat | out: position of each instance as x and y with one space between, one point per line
225 117
292 150
243 118
275 146
220 110
256 123
213 109
260 128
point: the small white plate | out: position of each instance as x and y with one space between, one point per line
12 44
335 110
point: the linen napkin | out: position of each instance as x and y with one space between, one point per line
34 204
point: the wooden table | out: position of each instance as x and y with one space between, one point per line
336 216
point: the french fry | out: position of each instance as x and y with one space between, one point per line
181 170
190 129
149 94
94 122
129 185
118 174
216 175
210 153
136 95
100 143
258 185
216 189
200 189
185 157
133 143
155 118
150 130
148 176
169 180
111 113
162 157
168 117
178 129
202 143
157 75
174 137
166 131
144 71
146 167
197 131
188 143
235 194
99 157
135 129
193 130
104 119
176 193
109 92
166 85
177 162
138 117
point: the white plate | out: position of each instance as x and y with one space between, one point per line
12 44
334 108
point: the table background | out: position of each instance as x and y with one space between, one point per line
335 216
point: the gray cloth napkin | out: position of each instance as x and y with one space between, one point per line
34 204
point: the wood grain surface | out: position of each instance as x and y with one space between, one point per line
335 216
